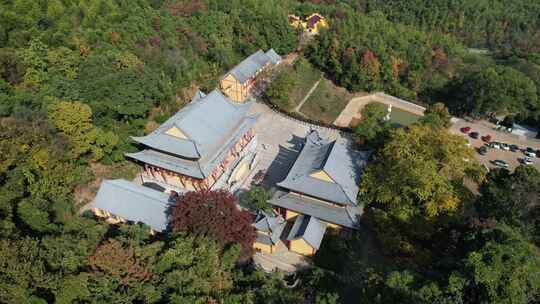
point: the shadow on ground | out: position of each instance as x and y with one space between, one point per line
282 163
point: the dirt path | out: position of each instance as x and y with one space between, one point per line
355 105
299 106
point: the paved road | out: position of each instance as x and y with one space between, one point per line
483 127
355 105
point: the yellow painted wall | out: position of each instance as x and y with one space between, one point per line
263 247
174 131
320 25
233 88
98 212
301 247
333 226
172 179
290 214
189 185
242 171
296 21
322 175
109 217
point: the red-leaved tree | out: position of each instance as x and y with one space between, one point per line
214 214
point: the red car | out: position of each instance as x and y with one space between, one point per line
486 138
466 130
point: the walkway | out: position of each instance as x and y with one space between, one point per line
281 259
355 105
297 109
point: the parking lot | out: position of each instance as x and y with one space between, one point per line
484 128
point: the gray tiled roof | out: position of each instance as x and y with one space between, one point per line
340 162
308 228
212 123
169 162
250 66
269 224
274 57
206 122
202 167
344 216
134 203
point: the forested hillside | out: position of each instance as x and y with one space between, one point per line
509 27
79 77
125 58
429 51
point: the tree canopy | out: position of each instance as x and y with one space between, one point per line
496 89
373 125
214 214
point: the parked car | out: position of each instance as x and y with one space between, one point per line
527 161
482 150
530 154
486 138
505 147
466 130
529 149
474 135
514 148
537 153
495 145
500 163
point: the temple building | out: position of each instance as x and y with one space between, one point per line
314 23
208 144
306 235
320 190
240 80
269 228
121 201
311 25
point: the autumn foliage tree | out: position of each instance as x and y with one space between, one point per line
115 260
214 214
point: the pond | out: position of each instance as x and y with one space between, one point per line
400 118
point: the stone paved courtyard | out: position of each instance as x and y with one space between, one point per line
280 140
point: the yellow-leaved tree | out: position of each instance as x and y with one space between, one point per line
415 180
74 120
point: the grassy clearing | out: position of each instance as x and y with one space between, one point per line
306 76
300 77
326 102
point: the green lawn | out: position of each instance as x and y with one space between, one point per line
326 102
306 76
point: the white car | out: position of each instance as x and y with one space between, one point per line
495 145
527 161
505 147
530 154
500 163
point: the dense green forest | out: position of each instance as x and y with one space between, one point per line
78 77
503 26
